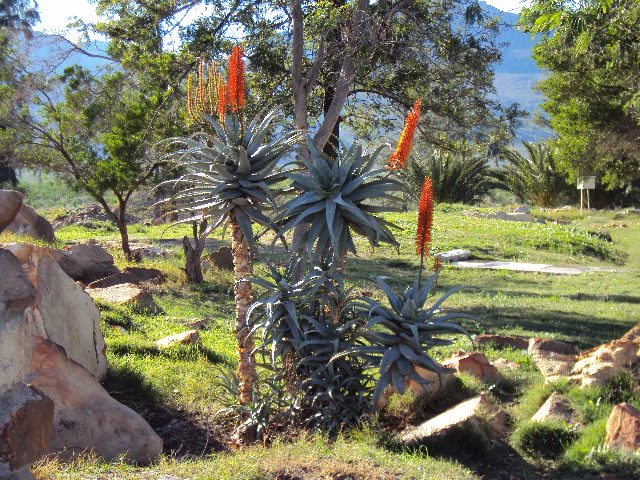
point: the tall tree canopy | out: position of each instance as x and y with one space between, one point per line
352 62
591 50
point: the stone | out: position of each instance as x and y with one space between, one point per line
551 345
61 311
184 338
522 209
26 420
135 275
198 323
598 365
16 291
623 428
479 414
553 366
86 262
561 222
124 294
28 222
86 418
86 216
519 343
506 364
10 203
222 259
168 477
453 255
475 364
512 217
556 407
632 335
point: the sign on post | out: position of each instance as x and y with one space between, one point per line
586 183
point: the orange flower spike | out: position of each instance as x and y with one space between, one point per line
425 219
200 93
190 95
398 159
222 101
236 79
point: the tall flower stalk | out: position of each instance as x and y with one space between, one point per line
398 158
425 222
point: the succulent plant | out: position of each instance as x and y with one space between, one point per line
335 198
401 335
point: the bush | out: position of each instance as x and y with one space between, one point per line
546 440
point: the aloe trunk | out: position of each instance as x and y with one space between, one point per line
243 269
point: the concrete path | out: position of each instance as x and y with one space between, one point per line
531 267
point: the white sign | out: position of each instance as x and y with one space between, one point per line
587 183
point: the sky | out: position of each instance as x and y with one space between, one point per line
55 19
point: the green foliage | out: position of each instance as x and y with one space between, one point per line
454 178
546 440
535 179
590 50
405 333
335 198
231 170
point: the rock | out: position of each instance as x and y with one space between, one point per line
596 366
16 291
86 418
453 255
168 477
86 262
26 419
124 294
198 323
222 258
553 365
513 217
506 364
551 345
28 222
87 216
475 364
623 428
632 335
519 343
478 414
10 203
561 222
522 209
61 311
184 338
135 275
557 407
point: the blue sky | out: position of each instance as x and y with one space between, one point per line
55 19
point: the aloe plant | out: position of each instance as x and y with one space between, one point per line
402 334
335 198
231 175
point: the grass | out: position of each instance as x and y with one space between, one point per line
179 383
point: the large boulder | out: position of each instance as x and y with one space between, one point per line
623 428
222 259
50 340
596 366
28 222
10 203
61 311
135 275
184 338
26 419
551 345
553 366
632 335
86 262
477 415
86 418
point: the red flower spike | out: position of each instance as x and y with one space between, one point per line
236 79
398 159
425 219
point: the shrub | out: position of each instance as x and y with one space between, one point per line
546 440
455 179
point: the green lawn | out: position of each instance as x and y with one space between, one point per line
180 382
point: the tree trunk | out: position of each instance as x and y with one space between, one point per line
242 269
124 236
193 264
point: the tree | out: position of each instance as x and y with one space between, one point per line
534 178
96 131
591 50
18 14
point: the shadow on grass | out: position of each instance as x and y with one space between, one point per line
181 431
178 352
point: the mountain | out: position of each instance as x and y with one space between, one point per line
517 74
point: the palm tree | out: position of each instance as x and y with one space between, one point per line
534 178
